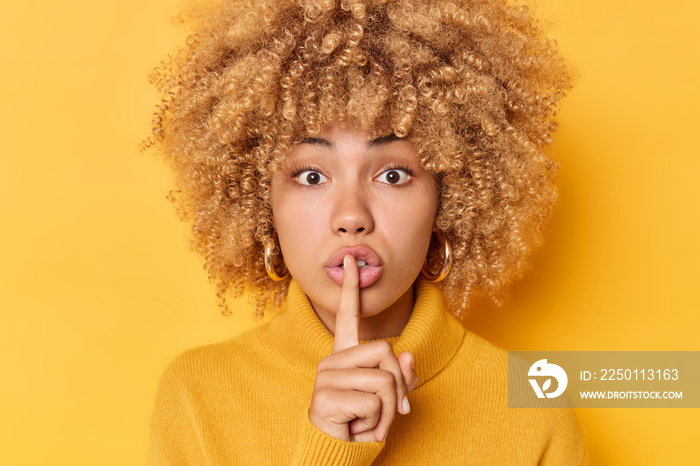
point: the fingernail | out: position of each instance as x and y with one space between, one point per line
406 406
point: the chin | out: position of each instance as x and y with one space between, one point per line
367 309
373 302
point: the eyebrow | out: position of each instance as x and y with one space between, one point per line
382 140
316 141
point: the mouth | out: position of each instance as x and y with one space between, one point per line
360 264
369 265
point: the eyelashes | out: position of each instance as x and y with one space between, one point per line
404 168
395 175
304 168
309 176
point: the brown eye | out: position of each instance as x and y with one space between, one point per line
313 178
310 178
394 177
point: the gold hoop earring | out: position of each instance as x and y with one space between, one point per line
270 267
447 250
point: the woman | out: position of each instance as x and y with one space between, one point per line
354 163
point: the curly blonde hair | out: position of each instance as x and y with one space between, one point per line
475 85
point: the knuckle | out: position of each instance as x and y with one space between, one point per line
323 365
321 379
323 397
384 346
375 405
387 379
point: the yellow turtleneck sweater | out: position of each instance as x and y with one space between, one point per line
245 401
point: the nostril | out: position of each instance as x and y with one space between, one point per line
359 230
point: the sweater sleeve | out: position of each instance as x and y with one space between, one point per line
176 437
315 447
567 445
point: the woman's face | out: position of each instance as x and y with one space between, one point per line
342 193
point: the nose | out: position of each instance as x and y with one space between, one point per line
351 212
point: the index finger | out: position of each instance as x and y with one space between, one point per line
347 319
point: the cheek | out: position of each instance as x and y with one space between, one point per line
410 226
284 207
424 217
295 223
416 213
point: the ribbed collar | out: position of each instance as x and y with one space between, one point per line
299 340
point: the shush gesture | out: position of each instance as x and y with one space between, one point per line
359 387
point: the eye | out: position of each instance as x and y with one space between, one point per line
395 176
310 178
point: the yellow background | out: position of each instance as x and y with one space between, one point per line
98 289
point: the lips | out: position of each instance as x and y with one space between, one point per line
368 273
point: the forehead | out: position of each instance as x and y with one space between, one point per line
339 132
334 138
348 145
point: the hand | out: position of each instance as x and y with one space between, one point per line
359 388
